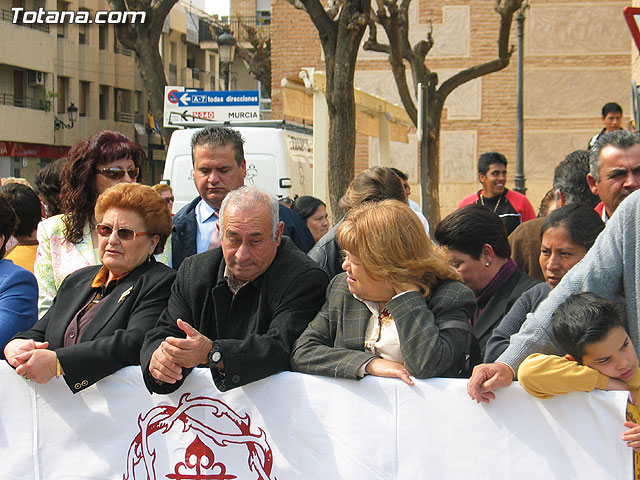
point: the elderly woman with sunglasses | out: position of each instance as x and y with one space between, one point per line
98 320
69 241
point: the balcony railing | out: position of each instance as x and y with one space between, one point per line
22 102
118 48
123 117
7 16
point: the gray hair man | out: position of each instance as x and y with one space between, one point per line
614 169
236 310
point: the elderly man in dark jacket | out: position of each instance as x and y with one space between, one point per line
236 309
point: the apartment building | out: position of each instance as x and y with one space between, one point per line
45 68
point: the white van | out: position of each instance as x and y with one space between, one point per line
279 159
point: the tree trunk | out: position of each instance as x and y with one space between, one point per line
340 60
340 28
342 139
149 63
143 38
432 207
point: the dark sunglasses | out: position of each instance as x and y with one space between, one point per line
168 199
116 173
123 233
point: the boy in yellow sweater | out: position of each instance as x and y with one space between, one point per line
600 355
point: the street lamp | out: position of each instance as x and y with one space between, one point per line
226 50
519 178
72 113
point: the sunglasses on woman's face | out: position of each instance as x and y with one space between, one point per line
123 233
116 173
169 199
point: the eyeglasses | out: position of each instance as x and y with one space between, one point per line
123 233
116 173
168 199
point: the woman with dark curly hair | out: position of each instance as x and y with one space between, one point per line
68 242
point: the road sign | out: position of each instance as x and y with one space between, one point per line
632 16
183 107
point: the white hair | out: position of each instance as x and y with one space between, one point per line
248 198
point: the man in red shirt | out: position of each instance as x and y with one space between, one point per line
512 207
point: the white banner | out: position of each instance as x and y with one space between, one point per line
294 426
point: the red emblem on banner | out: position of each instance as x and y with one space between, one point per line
222 429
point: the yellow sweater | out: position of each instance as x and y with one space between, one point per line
544 376
24 256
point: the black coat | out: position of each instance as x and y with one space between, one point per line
499 304
113 338
255 329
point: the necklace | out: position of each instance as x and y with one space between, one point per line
497 203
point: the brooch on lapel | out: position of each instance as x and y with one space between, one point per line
125 294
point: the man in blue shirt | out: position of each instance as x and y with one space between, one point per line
219 167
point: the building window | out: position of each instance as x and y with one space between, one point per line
84 99
138 107
83 34
63 26
122 105
263 17
104 101
103 34
18 89
62 91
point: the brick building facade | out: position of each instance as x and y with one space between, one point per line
576 58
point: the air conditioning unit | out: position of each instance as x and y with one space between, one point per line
35 78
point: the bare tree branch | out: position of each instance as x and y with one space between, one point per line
322 21
372 42
333 8
298 4
506 9
394 19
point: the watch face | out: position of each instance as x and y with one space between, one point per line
216 357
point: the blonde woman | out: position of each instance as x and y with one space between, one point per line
398 310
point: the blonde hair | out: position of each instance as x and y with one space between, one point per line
392 244
142 200
21 181
162 187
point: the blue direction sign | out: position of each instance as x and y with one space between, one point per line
234 98
183 107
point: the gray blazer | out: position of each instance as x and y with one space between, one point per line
333 343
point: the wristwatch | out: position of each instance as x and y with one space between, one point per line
215 355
